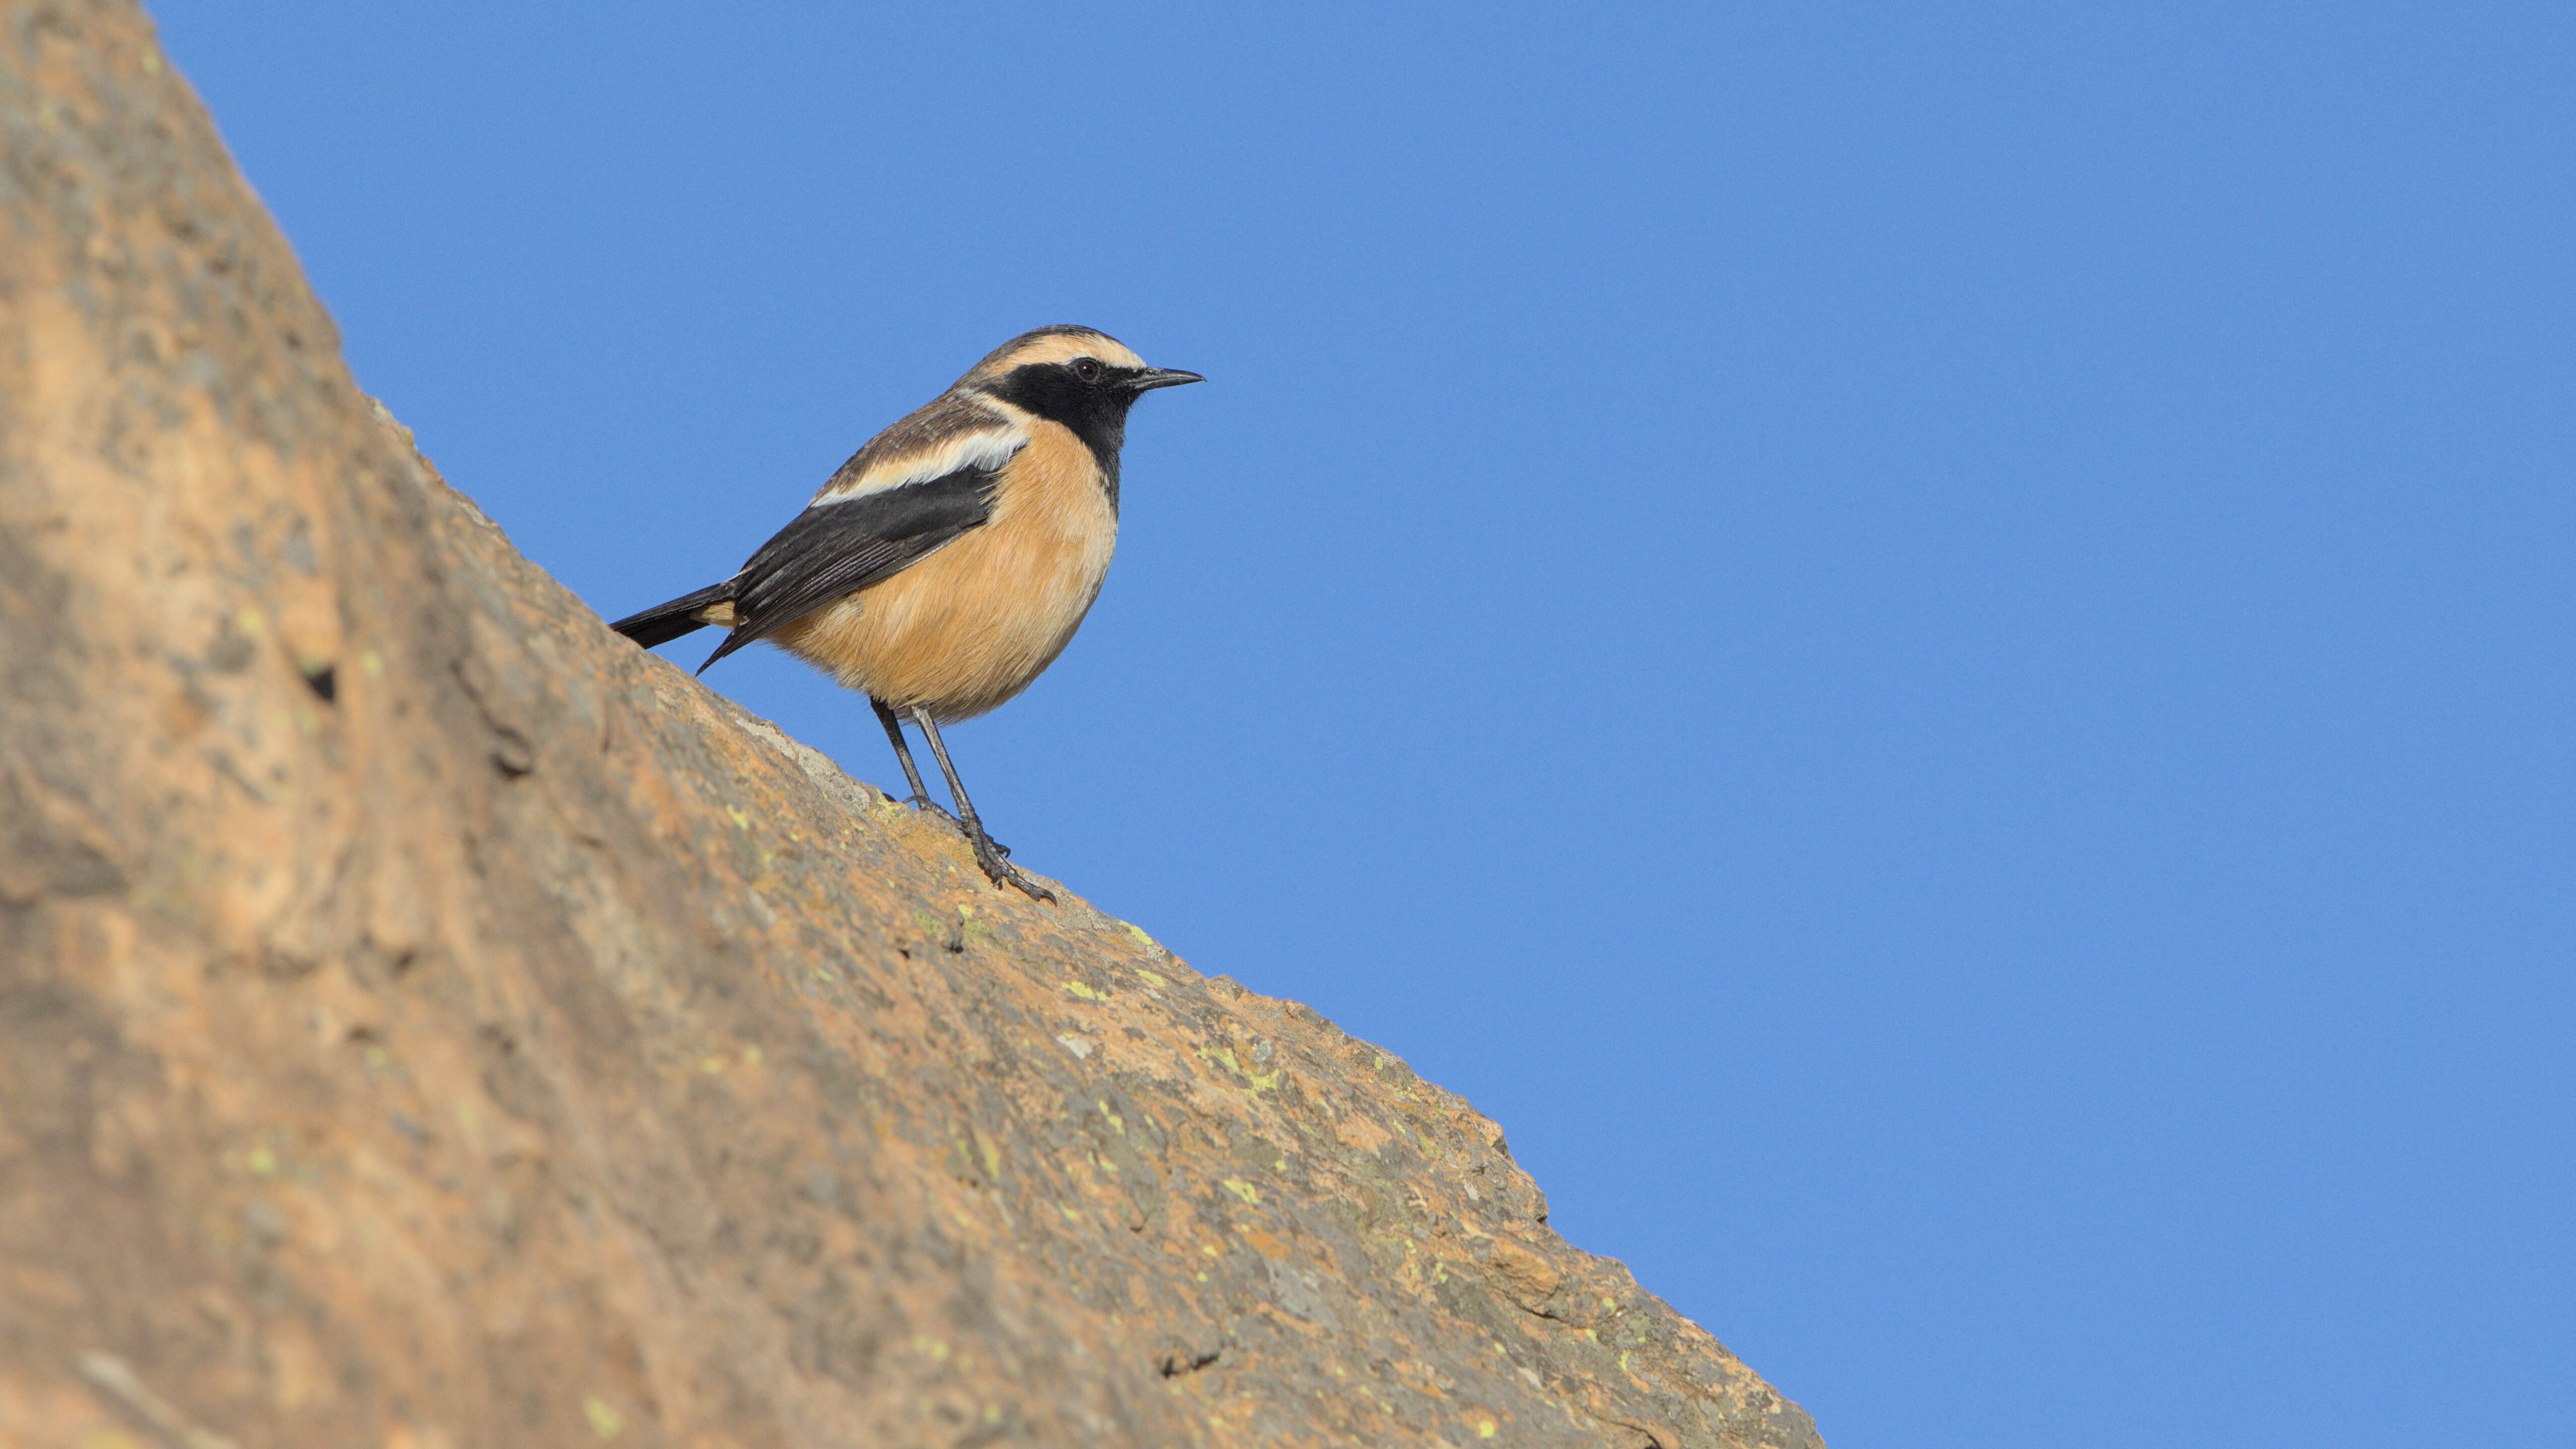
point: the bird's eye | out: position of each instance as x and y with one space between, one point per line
1086 369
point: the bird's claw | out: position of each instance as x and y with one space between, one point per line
928 806
995 858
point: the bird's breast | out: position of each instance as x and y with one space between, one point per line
969 627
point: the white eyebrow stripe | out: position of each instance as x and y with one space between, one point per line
987 450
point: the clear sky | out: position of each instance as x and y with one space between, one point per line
1930 646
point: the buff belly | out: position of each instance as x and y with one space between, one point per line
966 629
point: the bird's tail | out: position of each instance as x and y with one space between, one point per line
663 623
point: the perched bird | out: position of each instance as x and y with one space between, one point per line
948 563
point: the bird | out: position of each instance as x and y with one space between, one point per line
951 559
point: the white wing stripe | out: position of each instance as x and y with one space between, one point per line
986 450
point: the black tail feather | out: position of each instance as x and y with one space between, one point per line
665 622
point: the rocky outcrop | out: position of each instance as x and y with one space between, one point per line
426 1020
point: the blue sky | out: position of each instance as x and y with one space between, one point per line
1929 646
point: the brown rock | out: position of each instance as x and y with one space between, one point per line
426 1020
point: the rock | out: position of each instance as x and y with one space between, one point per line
427 1020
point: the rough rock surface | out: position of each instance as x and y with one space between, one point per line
426 1020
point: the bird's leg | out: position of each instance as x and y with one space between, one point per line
920 794
993 857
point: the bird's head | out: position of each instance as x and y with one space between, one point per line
1076 376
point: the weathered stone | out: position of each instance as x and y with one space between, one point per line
426 1020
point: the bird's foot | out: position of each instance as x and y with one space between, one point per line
928 806
995 857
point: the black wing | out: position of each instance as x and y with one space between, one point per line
838 548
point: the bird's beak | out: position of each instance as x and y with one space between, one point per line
1154 377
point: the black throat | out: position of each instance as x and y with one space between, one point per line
1095 414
